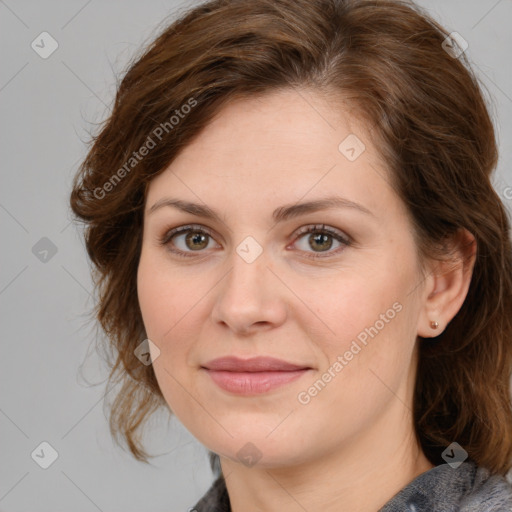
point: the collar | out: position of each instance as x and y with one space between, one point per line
441 489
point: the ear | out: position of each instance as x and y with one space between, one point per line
447 284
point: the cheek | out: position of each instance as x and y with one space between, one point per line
160 307
162 297
370 330
374 335
170 307
354 303
154 301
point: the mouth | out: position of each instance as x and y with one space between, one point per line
253 376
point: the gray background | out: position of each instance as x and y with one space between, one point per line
51 379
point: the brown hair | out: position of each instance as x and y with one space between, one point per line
431 125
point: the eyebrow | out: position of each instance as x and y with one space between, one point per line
280 214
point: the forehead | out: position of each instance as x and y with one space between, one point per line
281 147
288 123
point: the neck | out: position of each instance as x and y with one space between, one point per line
363 475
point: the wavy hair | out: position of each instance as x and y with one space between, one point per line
430 123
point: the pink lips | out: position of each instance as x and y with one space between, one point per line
252 376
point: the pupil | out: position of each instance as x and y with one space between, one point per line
196 239
319 237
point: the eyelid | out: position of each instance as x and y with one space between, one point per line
339 235
311 228
344 239
170 233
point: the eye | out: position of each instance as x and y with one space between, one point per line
185 240
189 238
320 237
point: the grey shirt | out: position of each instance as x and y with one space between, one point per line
468 488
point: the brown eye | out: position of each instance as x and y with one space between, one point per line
196 241
185 240
321 239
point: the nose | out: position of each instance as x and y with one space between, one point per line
250 298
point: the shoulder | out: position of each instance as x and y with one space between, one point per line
216 499
488 492
467 488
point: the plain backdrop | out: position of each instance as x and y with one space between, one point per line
51 378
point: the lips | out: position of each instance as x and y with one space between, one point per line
255 364
252 376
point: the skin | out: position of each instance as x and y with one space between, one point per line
352 446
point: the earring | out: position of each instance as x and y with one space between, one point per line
434 325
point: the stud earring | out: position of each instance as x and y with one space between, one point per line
434 325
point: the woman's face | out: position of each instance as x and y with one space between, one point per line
341 304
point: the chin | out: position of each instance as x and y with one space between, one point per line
255 449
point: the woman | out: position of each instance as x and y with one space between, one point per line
299 252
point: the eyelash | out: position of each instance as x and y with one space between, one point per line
318 228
